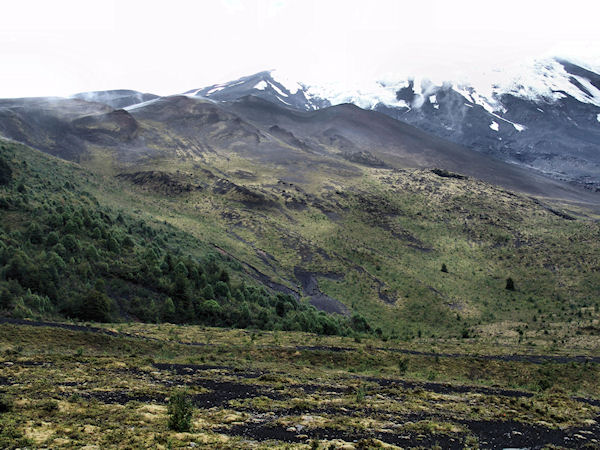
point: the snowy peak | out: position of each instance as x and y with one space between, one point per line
544 115
269 85
543 81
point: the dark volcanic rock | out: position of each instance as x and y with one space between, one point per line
318 299
165 182
108 128
365 158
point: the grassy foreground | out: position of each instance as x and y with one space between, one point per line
108 387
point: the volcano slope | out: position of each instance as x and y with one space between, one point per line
349 210
350 222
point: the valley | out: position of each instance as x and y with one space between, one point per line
330 278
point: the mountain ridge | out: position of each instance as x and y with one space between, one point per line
545 118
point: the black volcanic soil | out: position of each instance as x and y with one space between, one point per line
321 301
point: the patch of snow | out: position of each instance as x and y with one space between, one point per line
365 95
547 79
544 80
598 117
470 106
279 91
464 93
494 126
593 90
490 105
261 85
283 101
517 126
286 82
217 89
191 94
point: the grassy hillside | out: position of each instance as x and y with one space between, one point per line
377 242
315 224
65 251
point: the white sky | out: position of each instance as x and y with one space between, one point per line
60 47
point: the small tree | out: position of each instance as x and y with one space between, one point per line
52 239
510 284
402 365
168 310
180 411
444 268
5 172
96 306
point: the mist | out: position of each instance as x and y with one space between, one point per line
68 46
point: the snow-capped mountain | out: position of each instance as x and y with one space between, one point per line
545 115
270 85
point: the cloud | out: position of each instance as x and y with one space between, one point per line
68 46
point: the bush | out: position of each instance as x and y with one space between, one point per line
95 306
49 405
510 284
180 411
402 365
359 323
6 404
360 394
5 172
52 239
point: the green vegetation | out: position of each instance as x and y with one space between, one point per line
94 247
137 388
63 253
180 411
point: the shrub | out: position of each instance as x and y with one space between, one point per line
52 239
180 411
222 290
49 405
5 172
359 323
210 307
444 268
510 284
35 233
112 244
128 242
360 394
6 404
402 365
70 243
95 306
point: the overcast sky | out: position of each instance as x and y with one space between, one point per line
60 47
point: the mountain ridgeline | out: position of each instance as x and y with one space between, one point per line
545 118
253 204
